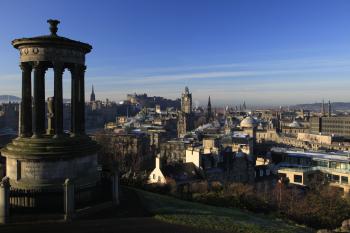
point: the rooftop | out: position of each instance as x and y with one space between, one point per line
340 156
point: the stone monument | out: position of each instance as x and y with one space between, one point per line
39 160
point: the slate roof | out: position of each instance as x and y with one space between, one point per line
182 172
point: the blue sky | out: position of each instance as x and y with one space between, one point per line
264 52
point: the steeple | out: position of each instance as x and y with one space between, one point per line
323 110
209 114
209 103
92 96
187 90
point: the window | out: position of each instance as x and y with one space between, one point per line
267 172
261 172
344 180
333 164
343 166
154 176
338 166
159 179
321 163
335 178
298 179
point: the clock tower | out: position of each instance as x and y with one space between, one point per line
185 116
186 101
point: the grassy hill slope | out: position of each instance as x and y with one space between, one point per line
176 211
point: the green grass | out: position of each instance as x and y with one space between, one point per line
177 211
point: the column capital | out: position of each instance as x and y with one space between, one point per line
77 68
25 66
58 67
39 65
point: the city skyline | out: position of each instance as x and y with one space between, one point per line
175 116
266 53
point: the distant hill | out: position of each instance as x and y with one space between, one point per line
7 98
12 98
343 106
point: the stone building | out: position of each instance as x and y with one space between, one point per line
239 142
130 151
337 125
301 166
294 128
180 173
174 151
143 100
9 115
238 166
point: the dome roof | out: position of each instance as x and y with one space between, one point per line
248 122
295 124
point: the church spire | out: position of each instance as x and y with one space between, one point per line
329 108
323 113
92 96
209 114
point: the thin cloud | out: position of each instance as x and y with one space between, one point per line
166 78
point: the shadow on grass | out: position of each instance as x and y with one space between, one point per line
177 211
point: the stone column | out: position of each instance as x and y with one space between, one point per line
4 200
26 104
58 92
75 100
68 200
81 71
39 99
50 116
115 187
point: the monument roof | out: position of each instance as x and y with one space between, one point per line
52 40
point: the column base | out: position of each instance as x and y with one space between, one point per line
69 217
37 135
25 135
50 132
60 135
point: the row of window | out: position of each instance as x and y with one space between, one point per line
154 177
335 178
331 177
261 172
319 163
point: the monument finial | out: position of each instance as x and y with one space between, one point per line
53 26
